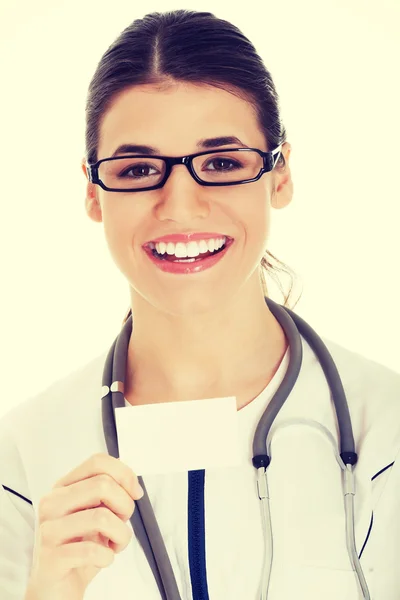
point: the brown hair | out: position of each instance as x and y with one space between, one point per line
196 47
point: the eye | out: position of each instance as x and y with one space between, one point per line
222 160
139 170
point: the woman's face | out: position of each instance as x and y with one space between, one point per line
173 121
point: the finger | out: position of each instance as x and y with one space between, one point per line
99 490
103 463
88 525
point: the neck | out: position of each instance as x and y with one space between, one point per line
221 353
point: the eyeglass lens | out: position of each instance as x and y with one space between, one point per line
142 172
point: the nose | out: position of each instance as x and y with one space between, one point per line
182 199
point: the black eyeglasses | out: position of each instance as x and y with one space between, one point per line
137 173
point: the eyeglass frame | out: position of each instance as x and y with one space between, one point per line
269 163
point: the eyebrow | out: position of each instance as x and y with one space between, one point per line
201 144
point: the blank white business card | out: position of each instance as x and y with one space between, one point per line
179 436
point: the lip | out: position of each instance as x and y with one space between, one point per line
187 237
188 268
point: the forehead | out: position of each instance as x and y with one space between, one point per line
174 118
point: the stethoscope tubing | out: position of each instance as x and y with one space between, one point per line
293 326
143 519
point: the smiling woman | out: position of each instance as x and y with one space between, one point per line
150 175
186 155
163 51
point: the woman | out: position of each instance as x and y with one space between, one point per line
191 240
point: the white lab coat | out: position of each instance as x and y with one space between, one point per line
45 437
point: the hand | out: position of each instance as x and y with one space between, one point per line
81 527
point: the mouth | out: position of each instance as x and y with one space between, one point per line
189 257
188 253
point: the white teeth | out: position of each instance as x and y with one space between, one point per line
203 248
191 249
180 250
211 245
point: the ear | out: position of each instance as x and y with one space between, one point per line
92 202
283 192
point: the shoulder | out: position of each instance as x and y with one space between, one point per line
373 395
43 429
376 383
57 398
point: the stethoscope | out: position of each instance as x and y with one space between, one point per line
143 520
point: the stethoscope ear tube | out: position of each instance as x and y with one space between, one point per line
143 520
347 446
260 458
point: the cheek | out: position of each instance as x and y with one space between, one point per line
123 214
122 221
257 230
252 213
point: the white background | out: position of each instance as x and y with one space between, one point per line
335 65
